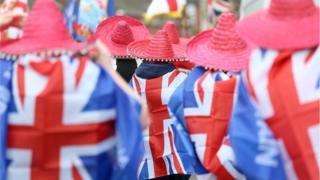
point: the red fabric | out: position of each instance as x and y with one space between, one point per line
184 64
49 134
297 117
173 5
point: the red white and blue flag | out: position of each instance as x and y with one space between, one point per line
208 101
167 145
275 129
83 16
67 119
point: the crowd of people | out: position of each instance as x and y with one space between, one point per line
238 101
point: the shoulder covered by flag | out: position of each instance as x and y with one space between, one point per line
79 109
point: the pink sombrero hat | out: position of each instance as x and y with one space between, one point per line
45 30
157 48
220 48
171 29
117 32
287 24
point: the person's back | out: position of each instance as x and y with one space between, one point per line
275 124
64 117
169 154
208 94
64 125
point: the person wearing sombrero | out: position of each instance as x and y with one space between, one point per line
274 129
171 28
117 32
62 115
169 154
208 95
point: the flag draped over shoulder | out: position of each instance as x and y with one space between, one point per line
171 8
168 149
5 94
71 125
83 16
274 129
207 102
19 6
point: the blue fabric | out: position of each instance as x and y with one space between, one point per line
111 8
89 18
5 94
130 144
130 149
189 98
148 70
256 150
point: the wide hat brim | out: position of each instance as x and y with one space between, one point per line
105 28
24 46
139 50
200 53
280 33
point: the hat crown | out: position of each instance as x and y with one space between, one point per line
46 23
224 36
291 8
171 29
160 46
122 33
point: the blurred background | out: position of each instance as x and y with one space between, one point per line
192 17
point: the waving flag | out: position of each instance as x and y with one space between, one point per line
165 141
75 123
171 8
208 100
5 89
275 124
19 6
83 16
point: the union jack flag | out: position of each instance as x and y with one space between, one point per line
167 146
275 128
67 119
208 100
